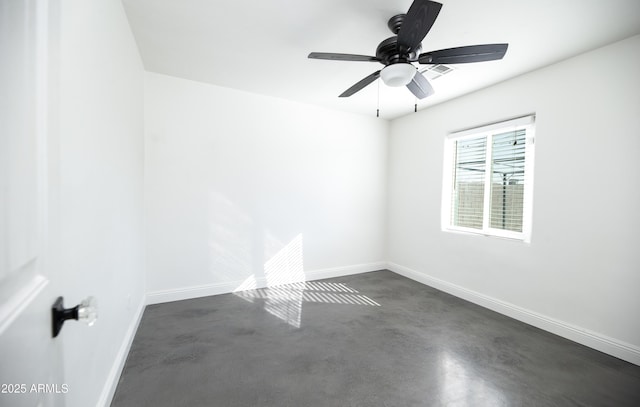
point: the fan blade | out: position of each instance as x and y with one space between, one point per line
420 86
360 85
419 20
341 57
463 55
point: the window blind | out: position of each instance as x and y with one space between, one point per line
507 180
469 182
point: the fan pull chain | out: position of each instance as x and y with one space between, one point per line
415 106
378 106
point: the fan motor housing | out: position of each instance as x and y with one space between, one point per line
388 52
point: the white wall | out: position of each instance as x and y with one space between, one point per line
101 192
245 190
581 271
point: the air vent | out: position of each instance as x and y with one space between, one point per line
436 71
441 69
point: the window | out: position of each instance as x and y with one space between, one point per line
489 178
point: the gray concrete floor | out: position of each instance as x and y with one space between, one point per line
373 339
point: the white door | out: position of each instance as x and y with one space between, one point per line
30 359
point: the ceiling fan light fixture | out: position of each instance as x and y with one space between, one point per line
399 74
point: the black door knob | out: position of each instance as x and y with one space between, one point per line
86 311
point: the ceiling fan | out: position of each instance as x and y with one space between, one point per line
398 53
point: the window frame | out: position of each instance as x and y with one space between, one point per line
488 131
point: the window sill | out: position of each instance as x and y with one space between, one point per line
517 237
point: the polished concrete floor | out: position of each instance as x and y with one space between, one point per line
374 339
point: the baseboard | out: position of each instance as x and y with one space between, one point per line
345 271
186 293
205 290
610 346
109 389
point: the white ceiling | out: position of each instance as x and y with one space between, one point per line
261 46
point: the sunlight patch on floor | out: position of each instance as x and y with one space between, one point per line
285 301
